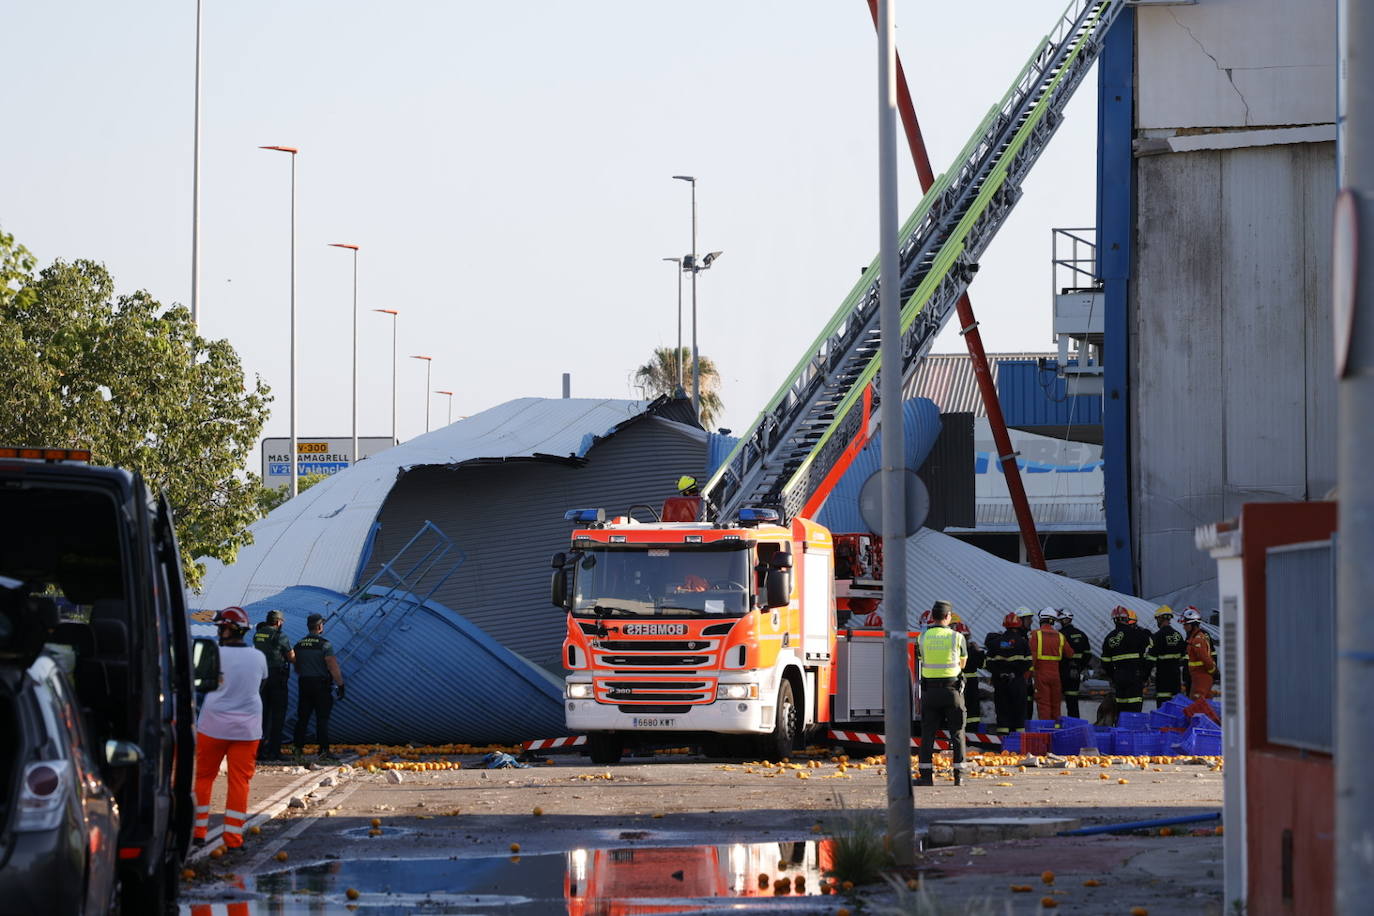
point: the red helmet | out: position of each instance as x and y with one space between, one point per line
234 616
1011 621
1120 612
959 626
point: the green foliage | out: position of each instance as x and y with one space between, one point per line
131 379
270 498
660 374
861 851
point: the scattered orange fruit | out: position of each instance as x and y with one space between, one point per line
1047 877
537 812
1020 888
1049 903
255 830
375 831
815 828
848 885
217 852
912 884
842 911
763 880
188 873
1139 911
1122 781
1092 882
1166 831
282 856
514 847
1219 831
351 893
376 822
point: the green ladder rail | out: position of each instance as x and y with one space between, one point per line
801 434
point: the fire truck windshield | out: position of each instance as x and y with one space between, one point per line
663 582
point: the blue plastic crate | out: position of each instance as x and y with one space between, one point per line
1135 721
1178 701
1071 722
1163 718
1041 725
1138 743
1012 742
1105 740
1071 740
1205 742
1198 720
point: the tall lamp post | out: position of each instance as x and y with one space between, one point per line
293 151
392 313
354 249
691 262
450 403
195 191
429 366
677 354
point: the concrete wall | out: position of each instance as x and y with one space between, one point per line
1232 392
1236 63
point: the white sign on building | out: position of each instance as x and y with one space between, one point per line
314 456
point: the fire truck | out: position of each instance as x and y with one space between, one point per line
723 635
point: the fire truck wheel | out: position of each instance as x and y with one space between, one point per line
604 749
786 725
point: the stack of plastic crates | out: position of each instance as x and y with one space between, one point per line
1138 743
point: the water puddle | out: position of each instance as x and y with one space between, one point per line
767 877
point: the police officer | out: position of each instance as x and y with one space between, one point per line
1126 658
1071 669
1168 649
1008 662
977 658
316 666
273 644
943 655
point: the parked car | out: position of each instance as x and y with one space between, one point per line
59 823
98 544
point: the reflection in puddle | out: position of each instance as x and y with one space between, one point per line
583 882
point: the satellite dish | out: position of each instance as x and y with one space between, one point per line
917 502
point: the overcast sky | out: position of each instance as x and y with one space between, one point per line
506 169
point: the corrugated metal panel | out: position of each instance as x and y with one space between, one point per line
920 427
983 588
949 381
1300 635
508 520
437 679
316 538
1031 396
1230 396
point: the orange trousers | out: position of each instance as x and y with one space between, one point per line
1049 691
242 762
1201 687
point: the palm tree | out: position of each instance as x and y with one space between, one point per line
660 375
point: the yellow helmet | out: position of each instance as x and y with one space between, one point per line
686 482
1164 611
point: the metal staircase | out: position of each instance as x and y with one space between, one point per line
382 604
800 436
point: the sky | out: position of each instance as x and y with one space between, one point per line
506 169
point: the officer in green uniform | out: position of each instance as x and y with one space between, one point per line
943 655
316 667
272 642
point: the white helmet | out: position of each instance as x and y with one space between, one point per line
1191 615
1024 611
1049 613
1065 614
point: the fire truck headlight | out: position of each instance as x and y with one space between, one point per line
737 692
579 691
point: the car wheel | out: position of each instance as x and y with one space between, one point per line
786 726
604 749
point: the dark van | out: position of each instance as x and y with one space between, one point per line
95 544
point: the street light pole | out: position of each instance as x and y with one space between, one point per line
450 404
429 365
354 249
293 151
696 366
392 313
677 354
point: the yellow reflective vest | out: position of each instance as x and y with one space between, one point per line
943 652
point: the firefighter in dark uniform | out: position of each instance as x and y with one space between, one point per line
977 658
1008 662
1071 669
942 656
316 667
272 643
1027 618
1168 648
1126 659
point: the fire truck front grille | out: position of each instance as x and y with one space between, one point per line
655 645
654 661
661 709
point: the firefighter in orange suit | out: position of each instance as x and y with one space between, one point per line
1201 665
230 725
1048 648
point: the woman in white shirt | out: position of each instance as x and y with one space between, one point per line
230 725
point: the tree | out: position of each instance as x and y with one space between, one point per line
131 380
659 376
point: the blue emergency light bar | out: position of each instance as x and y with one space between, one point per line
589 516
753 516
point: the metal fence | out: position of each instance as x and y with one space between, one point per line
1300 673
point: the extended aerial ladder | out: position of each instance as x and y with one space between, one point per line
813 426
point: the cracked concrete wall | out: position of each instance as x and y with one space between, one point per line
1236 63
1232 387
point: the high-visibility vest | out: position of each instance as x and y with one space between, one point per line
1040 655
940 653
